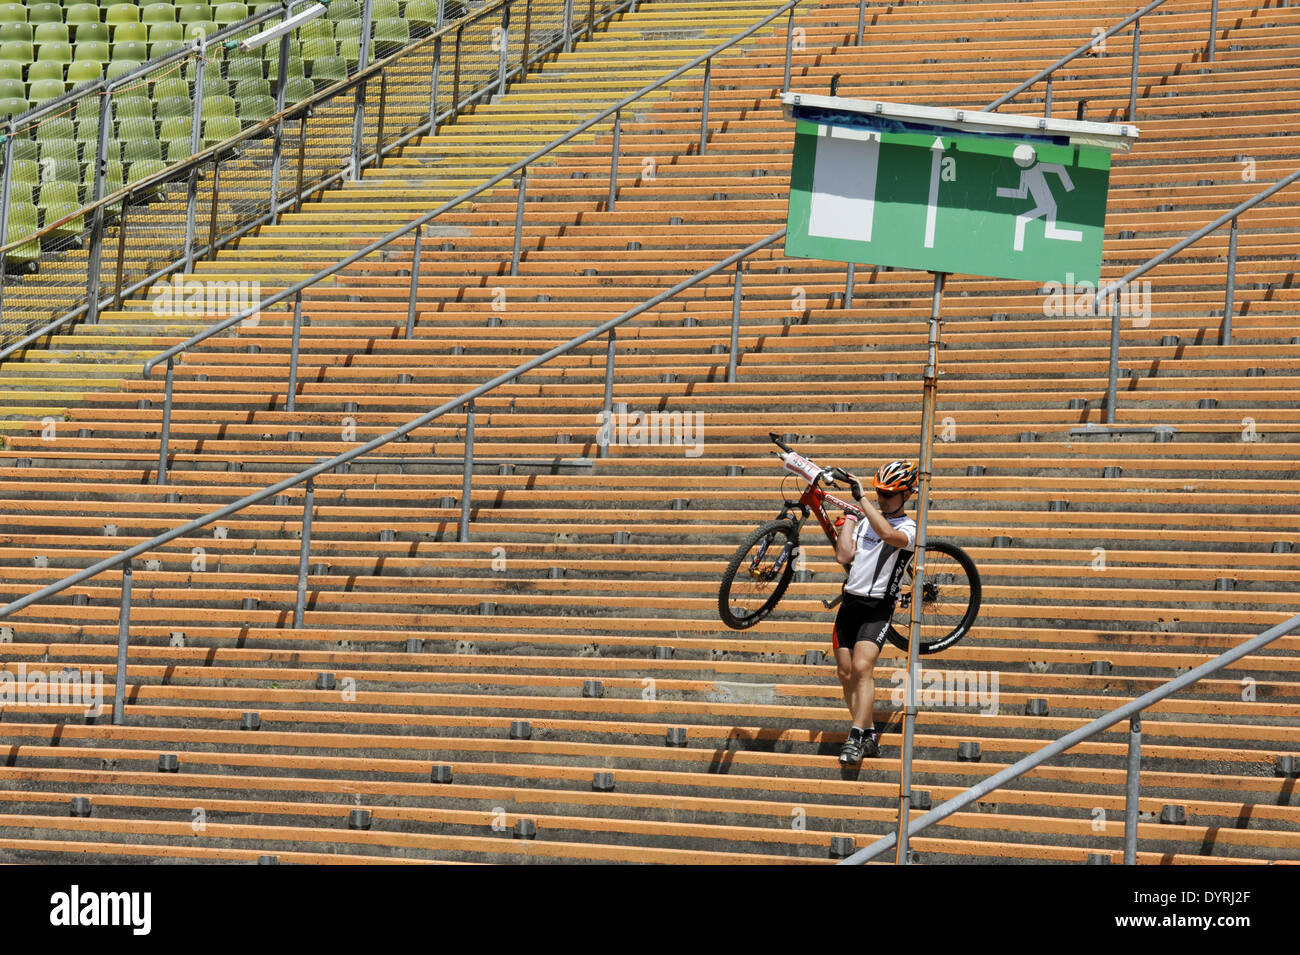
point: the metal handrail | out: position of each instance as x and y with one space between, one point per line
1225 335
1131 710
465 400
215 152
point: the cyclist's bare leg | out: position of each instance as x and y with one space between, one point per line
862 704
844 670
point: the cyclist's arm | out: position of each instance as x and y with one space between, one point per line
884 530
846 544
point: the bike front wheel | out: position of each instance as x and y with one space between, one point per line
951 593
758 575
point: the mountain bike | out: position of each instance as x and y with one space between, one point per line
763 566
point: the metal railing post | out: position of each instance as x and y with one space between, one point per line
304 554
359 104
613 159
1230 286
737 293
5 188
216 192
521 198
277 146
196 143
789 39
433 91
1131 782
121 250
862 20
96 240
1133 72
591 19
849 277
415 282
302 158
379 130
608 407
455 75
503 59
1112 377
467 477
704 108
123 637
528 36
291 389
1047 99
1214 25
165 433
568 26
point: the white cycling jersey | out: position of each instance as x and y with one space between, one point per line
876 569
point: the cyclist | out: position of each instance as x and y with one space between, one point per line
876 550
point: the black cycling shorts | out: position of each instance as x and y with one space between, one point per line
862 618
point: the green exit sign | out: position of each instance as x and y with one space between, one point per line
949 190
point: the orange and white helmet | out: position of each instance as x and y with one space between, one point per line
896 476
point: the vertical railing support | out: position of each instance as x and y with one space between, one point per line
291 389
379 131
5 186
1047 100
165 433
1131 782
1214 28
503 61
121 251
359 104
613 159
415 281
1230 286
216 192
704 108
608 406
1112 375
96 240
862 20
467 478
277 146
455 75
931 380
520 199
433 85
304 553
737 293
849 277
591 19
123 638
302 158
568 26
1133 72
789 39
196 144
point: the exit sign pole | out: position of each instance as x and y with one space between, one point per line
945 190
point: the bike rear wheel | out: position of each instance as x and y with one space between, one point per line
951 599
758 574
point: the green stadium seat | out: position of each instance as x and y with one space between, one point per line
11 70
132 106
23 221
57 149
22 32
92 51
158 13
142 169
170 86
50 33
88 135
171 106
57 200
10 88
328 70
242 68
174 127
166 31
18 50
44 13
92 33
194 13
297 88
62 170
343 10
251 88
422 15
161 48
220 128
218 105
134 51
296 68
391 34
198 29
42 91
77 15
130 33
55 52
135 127
255 109
135 150
46 70
55 127
13 105
25 148
317 47
322 29
122 14
350 50
13 13
224 14
178 148
26 171
116 68
347 30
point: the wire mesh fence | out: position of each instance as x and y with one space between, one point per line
197 149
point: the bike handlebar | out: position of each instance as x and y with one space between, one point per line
776 439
